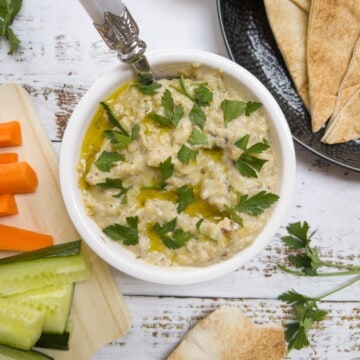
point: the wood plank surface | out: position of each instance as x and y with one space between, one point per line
44 211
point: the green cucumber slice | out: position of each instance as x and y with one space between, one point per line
54 301
20 325
7 353
54 341
54 265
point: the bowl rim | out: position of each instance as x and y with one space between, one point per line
69 155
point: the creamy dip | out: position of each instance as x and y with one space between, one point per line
204 153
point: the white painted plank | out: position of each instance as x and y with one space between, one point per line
160 323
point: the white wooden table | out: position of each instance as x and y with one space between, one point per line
61 55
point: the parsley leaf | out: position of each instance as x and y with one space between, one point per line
306 257
113 119
247 164
166 170
107 160
147 85
173 114
176 239
197 138
111 183
8 11
253 205
185 197
127 234
186 154
203 96
197 116
234 108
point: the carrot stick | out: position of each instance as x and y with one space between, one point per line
17 177
8 205
10 133
6 158
16 239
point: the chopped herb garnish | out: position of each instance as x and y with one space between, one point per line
234 108
113 119
107 160
173 114
171 237
253 205
307 258
247 163
147 85
197 116
198 224
186 154
197 138
118 140
166 170
115 184
185 196
8 11
203 96
127 234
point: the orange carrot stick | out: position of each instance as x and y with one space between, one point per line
6 158
16 239
17 177
10 133
8 205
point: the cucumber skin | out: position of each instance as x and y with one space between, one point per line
7 353
54 341
66 249
55 265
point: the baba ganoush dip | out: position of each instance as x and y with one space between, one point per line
181 171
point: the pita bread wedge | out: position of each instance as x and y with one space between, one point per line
289 25
334 26
351 81
227 334
346 125
303 4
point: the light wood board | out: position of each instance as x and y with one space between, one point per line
99 313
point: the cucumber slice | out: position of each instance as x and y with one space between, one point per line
54 341
20 325
54 265
54 301
7 353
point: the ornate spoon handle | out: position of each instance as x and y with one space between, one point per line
120 32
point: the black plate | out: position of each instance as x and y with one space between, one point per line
250 43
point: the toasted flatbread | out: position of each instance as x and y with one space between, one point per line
351 81
346 125
227 334
334 26
303 4
289 25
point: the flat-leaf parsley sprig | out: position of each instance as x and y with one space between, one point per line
306 258
307 314
129 235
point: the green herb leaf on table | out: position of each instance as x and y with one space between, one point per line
307 258
197 137
8 11
127 234
247 163
185 196
186 154
107 160
253 205
171 237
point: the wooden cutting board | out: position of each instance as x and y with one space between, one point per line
98 311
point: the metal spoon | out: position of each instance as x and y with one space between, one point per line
120 32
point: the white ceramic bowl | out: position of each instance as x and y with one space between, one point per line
165 63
